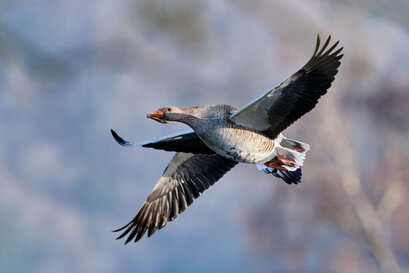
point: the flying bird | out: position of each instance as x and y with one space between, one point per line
221 136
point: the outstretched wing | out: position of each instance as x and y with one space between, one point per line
280 107
184 179
186 142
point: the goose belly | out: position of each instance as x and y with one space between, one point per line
239 145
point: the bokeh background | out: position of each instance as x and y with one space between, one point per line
72 70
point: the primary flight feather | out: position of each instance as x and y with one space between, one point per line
221 136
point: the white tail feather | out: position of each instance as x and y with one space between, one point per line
262 167
290 150
297 157
294 145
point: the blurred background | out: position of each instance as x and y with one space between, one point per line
72 70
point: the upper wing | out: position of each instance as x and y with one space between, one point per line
280 107
184 179
187 142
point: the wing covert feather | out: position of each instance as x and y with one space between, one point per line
277 109
185 178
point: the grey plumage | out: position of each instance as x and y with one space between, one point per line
185 178
277 109
222 136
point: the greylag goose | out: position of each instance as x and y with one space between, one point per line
221 136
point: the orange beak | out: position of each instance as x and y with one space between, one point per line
157 115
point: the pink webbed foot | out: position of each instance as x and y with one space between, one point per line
279 162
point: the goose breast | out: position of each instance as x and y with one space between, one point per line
238 144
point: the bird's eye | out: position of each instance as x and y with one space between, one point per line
169 109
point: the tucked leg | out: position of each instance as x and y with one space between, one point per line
279 161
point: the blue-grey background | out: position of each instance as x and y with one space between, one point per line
72 70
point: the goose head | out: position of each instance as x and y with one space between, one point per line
168 115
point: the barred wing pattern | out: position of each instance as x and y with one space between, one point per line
187 142
279 108
184 179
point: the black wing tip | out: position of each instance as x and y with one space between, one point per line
121 141
191 188
289 177
125 233
128 240
118 139
320 51
119 229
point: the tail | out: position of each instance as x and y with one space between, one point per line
295 145
289 177
286 159
287 162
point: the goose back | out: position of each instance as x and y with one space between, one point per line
219 133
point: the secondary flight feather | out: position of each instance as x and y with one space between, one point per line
221 136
